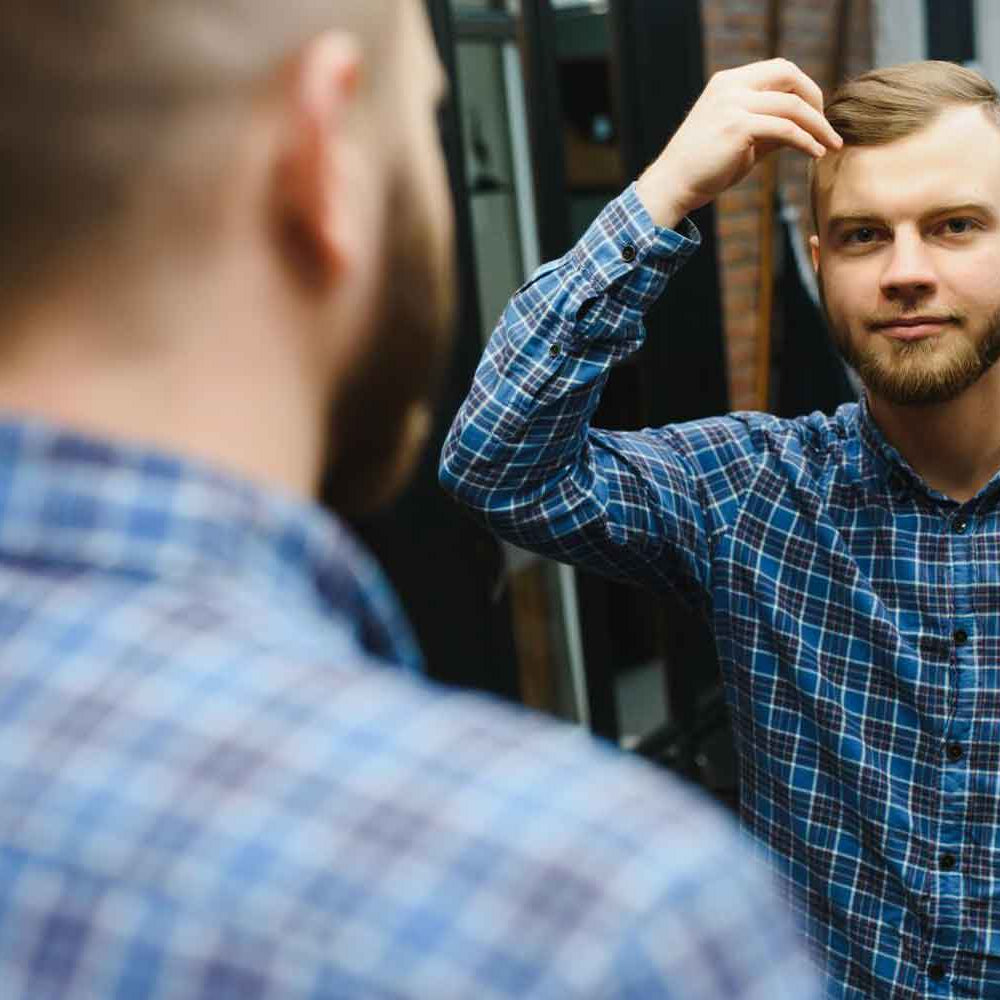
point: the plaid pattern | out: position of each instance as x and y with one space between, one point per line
217 782
855 611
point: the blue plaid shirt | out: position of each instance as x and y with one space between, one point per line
216 782
856 610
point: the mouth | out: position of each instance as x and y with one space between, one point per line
913 327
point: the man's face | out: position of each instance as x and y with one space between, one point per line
383 408
908 257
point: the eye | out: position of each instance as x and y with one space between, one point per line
861 236
958 226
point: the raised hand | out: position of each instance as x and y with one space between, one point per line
742 115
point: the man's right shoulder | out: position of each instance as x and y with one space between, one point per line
253 771
731 448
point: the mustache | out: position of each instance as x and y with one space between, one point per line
912 315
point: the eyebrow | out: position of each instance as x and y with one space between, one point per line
836 222
963 208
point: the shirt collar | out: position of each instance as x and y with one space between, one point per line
885 470
68 500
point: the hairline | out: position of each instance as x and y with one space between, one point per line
990 109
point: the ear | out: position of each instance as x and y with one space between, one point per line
314 166
814 249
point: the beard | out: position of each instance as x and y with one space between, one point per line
920 372
384 407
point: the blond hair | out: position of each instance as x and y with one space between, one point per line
884 105
92 97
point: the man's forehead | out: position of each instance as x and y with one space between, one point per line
955 158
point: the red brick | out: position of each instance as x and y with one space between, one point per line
735 33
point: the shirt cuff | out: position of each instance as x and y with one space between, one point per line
625 254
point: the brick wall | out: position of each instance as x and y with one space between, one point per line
736 33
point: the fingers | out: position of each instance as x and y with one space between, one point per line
769 132
783 75
742 115
795 109
784 106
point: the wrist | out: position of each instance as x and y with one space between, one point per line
662 197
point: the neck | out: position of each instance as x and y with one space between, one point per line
953 446
180 365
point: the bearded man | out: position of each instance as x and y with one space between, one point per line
226 240
849 564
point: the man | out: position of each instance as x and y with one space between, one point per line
850 564
225 229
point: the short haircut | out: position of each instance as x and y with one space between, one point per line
884 105
93 97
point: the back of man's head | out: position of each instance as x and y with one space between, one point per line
189 182
103 101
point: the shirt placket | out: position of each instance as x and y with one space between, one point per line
948 876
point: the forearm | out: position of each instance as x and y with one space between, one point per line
520 451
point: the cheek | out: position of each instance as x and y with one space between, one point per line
972 280
851 291
436 213
435 189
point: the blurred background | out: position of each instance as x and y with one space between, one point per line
556 106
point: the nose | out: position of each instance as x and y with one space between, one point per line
909 272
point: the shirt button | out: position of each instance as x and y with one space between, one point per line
955 751
961 526
628 253
554 351
947 862
935 972
960 636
